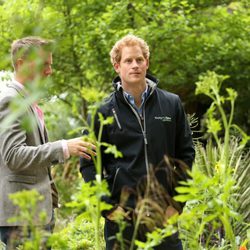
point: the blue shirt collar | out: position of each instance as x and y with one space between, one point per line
131 99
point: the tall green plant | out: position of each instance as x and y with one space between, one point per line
217 212
214 189
33 236
209 84
233 157
91 193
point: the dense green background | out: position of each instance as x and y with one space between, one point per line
186 38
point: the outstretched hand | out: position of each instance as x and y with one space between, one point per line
79 147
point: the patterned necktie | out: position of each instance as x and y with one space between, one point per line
40 114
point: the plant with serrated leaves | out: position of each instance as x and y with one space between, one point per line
216 215
218 194
33 236
89 199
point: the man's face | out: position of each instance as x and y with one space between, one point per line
37 66
133 66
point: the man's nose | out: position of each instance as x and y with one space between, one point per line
134 64
48 71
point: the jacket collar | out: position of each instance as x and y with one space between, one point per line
151 81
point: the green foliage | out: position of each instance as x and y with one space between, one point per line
79 234
215 199
210 85
157 236
88 201
217 194
186 39
26 201
214 190
5 77
212 206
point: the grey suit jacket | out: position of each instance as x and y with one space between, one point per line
25 158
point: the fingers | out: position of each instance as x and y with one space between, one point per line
87 152
84 142
78 147
84 152
87 149
88 145
84 155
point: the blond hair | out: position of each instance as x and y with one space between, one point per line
23 47
128 40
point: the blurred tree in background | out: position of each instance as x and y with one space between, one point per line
186 38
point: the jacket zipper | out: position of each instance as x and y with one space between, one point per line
143 128
116 119
116 173
145 139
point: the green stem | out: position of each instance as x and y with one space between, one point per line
209 237
231 114
97 230
99 157
98 183
217 142
229 231
226 137
136 228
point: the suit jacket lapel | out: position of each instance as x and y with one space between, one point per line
24 94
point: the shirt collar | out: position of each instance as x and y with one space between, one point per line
143 95
20 85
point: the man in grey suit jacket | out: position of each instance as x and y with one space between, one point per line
26 156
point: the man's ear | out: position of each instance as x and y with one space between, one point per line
117 68
147 60
19 63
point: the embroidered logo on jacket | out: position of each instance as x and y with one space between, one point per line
163 118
